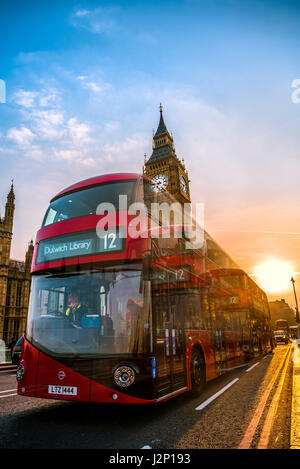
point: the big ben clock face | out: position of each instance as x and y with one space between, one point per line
159 183
183 185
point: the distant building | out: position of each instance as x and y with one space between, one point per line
14 279
281 310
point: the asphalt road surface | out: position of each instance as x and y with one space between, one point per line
248 407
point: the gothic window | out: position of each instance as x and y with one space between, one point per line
19 295
8 293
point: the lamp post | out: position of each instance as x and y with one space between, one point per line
297 310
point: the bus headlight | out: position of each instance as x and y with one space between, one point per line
20 371
124 376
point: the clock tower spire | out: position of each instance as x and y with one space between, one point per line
164 167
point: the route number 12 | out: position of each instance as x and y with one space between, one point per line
110 241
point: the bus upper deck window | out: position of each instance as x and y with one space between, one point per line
85 201
50 216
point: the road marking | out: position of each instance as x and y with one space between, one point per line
212 398
266 431
266 356
8 390
295 428
235 367
8 395
251 367
249 434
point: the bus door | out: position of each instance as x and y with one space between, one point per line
169 343
220 342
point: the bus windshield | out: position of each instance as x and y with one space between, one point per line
85 201
105 311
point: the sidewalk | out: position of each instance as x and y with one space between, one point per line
295 415
7 366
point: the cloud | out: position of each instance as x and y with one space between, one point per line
22 136
92 85
89 84
34 152
46 120
25 58
82 13
48 98
88 162
48 124
25 98
126 154
78 157
111 126
30 99
98 21
67 154
78 131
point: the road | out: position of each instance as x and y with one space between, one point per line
248 407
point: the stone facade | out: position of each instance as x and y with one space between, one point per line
14 279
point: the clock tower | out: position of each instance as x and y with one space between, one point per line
165 169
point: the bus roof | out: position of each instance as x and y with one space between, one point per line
96 180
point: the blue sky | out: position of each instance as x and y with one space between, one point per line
84 81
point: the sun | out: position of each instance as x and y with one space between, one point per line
274 275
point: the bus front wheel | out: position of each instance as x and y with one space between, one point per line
197 372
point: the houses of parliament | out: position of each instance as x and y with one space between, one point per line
14 279
167 172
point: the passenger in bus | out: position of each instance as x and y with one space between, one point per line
107 327
76 309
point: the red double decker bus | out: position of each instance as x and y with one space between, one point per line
131 319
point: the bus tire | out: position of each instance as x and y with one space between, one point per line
197 372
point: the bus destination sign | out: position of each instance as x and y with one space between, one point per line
78 244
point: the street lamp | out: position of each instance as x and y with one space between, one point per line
297 310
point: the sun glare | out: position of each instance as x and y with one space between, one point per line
274 275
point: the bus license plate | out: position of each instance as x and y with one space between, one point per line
62 390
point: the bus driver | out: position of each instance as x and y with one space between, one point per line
76 310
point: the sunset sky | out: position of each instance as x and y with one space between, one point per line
84 82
